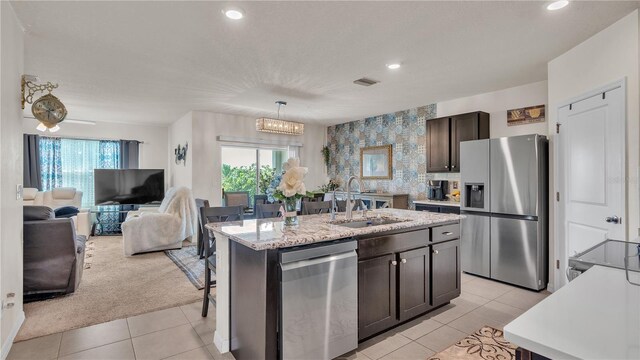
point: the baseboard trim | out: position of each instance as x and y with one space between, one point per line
220 343
6 347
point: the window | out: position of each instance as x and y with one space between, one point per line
70 163
250 169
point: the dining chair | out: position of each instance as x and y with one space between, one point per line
236 198
259 199
211 215
265 211
200 203
316 207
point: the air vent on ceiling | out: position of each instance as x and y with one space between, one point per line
365 82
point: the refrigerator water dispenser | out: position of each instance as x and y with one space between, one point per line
475 196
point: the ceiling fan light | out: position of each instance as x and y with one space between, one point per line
54 129
41 127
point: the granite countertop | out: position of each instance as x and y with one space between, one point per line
595 316
265 234
438 202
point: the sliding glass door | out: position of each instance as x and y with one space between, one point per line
251 169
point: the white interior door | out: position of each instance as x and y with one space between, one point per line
592 163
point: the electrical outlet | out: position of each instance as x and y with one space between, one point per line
18 191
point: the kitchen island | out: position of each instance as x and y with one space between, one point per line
407 264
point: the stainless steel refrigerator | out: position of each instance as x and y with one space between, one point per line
504 235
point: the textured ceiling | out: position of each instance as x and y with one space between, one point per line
151 62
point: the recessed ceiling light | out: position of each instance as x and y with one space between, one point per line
557 5
233 13
393 66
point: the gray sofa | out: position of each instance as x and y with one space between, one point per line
53 253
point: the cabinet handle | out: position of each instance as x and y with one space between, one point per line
453 167
404 261
394 263
436 252
447 233
446 167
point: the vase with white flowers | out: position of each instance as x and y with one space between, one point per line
290 189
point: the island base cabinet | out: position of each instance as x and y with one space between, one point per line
445 271
413 283
376 295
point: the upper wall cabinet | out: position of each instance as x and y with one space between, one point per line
445 134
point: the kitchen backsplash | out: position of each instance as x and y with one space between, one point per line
406 131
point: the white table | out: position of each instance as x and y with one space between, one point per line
596 316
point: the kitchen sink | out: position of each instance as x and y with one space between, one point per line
369 222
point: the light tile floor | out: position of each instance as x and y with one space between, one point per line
181 333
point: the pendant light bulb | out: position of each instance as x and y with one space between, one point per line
54 129
41 127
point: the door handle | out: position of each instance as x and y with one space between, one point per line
394 263
436 252
613 219
404 261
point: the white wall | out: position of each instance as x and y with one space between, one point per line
153 150
497 103
203 173
11 68
181 132
608 56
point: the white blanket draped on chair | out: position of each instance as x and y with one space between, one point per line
176 220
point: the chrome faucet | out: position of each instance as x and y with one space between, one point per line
333 204
350 204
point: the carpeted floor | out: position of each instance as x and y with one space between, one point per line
113 287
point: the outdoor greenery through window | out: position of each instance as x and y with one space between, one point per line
250 169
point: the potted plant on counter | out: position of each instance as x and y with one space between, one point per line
290 189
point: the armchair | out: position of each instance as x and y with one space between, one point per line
175 220
53 253
67 196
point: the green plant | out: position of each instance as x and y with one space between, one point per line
326 155
329 187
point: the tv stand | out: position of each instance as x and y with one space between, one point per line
109 218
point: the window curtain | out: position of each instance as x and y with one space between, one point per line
110 157
32 177
129 154
50 163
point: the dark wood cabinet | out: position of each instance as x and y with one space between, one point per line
445 134
445 271
438 145
438 208
414 283
400 276
376 294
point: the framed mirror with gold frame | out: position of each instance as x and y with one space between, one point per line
376 163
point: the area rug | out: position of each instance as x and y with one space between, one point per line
485 344
112 287
188 260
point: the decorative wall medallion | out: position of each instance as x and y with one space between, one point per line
527 115
181 154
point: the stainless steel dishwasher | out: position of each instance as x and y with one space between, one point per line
319 301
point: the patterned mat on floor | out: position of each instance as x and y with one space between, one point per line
485 344
189 262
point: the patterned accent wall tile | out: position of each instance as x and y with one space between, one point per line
405 130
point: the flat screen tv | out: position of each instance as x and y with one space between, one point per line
128 186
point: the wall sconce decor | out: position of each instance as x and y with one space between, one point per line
48 109
181 154
278 126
